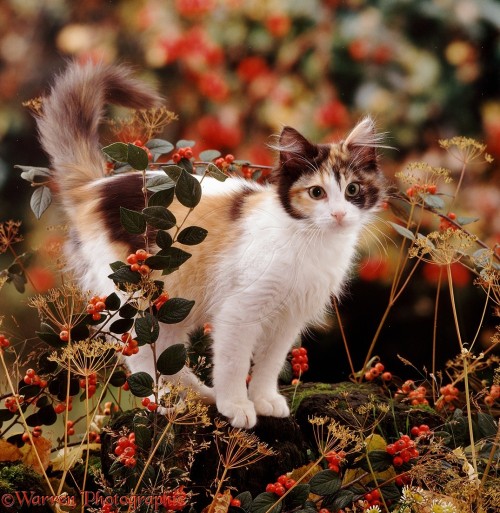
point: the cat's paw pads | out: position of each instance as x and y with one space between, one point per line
271 406
241 414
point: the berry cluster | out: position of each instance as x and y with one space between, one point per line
150 405
108 406
4 341
94 437
32 378
61 407
449 393
36 433
92 384
494 394
376 371
372 498
416 395
11 404
334 460
421 431
161 300
136 261
70 430
444 224
141 145
224 162
282 484
402 450
429 188
182 153
403 479
131 345
299 361
125 450
96 306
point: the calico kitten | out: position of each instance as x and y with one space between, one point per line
274 254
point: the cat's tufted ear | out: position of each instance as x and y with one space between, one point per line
363 141
293 146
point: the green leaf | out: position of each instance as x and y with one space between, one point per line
487 425
162 198
379 461
141 384
209 155
47 415
184 143
390 492
246 500
188 190
172 360
186 165
325 482
142 436
137 157
147 329
433 201
264 502
125 275
6 414
192 235
216 173
128 311
163 240
48 335
121 325
40 200
134 222
297 496
118 378
117 151
31 173
159 217
117 265
112 302
400 208
159 147
256 174
340 500
175 310
462 221
46 366
169 258
159 183
402 230
173 171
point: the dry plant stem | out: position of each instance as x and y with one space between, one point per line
374 476
459 184
25 425
148 461
434 332
464 354
483 315
494 448
342 333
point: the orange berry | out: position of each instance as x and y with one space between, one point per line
132 259
135 267
141 254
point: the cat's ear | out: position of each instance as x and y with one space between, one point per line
363 142
293 147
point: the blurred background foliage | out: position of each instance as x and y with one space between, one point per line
236 71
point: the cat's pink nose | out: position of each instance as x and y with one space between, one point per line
339 215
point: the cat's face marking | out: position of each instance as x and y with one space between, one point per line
331 186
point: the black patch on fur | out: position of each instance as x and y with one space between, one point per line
238 202
293 168
124 191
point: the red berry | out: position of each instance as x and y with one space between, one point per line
126 386
188 153
64 335
282 480
280 490
236 503
25 438
489 400
270 488
176 157
290 483
59 408
229 158
415 431
145 401
387 376
132 259
397 461
130 462
152 406
70 432
380 367
135 267
391 449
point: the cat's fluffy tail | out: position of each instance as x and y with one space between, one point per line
68 124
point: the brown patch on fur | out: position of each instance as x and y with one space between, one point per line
239 200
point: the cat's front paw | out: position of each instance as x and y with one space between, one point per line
271 405
241 413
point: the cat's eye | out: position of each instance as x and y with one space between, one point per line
352 189
316 192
